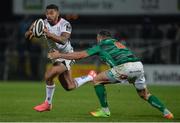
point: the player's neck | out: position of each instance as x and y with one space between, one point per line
56 21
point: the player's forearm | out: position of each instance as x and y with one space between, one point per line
59 39
28 34
74 55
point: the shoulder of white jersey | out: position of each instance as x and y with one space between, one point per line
66 25
63 20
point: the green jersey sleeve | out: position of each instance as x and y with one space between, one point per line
94 50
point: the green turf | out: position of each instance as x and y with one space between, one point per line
18 98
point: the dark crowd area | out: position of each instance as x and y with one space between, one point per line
155 39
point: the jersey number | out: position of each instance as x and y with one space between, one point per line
119 45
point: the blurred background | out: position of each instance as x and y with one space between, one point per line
151 28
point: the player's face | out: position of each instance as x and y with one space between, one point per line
52 15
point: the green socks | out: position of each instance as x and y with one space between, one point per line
101 93
154 101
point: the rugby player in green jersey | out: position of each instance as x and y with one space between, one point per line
125 67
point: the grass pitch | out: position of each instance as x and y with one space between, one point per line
18 98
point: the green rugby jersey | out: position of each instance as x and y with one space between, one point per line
112 52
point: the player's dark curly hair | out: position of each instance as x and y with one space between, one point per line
52 6
105 33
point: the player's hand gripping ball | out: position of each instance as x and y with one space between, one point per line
38 28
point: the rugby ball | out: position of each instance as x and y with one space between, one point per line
38 28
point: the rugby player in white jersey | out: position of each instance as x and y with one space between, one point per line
57 31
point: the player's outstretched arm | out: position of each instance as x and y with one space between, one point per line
70 56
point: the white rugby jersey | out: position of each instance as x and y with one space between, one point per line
57 29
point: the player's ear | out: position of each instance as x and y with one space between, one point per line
58 13
98 38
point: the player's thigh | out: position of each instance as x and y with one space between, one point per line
67 63
135 73
143 93
117 74
140 83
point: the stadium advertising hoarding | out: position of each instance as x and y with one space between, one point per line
100 7
155 74
168 74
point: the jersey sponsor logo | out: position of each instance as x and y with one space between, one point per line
68 27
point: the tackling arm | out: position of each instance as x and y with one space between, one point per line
70 56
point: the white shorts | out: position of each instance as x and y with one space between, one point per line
66 62
131 72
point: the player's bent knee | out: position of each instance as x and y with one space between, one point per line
143 94
95 82
143 97
47 78
69 88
